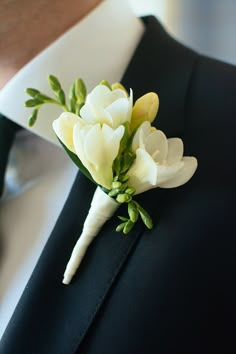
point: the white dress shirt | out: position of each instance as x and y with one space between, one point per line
99 47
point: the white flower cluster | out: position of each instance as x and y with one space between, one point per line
96 134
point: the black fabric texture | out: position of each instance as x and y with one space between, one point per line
171 290
8 130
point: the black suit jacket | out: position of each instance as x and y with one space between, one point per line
169 290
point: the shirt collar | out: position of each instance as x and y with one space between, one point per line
98 47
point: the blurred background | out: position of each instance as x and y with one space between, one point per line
208 26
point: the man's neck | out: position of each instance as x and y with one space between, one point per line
36 25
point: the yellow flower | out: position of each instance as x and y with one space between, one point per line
145 109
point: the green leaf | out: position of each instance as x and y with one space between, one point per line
78 163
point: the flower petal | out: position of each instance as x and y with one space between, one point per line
93 114
102 96
63 127
156 144
142 131
143 172
175 150
97 147
119 111
183 175
167 172
145 109
105 106
152 140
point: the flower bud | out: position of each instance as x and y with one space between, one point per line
116 185
32 92
123 198
120 227
133 212
130 190
145 109
54 83
128 226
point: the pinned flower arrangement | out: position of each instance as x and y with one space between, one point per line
113 143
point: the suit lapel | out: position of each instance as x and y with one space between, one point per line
8 130
51 317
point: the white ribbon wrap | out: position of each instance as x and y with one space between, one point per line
102 208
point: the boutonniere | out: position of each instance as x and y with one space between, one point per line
113 142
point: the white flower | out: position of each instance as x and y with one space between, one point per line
64 126
95 145
159 161
105 106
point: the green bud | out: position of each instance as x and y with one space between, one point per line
129 158
78 107
116 166
105 83
121 227
61 97
80 91
114 193
71 93
72 105
32 92
124 178
32 102
147 220
133 212
116 185
33 117
122 218
130 190
123 198
128 226
43 98
54 83
118 85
